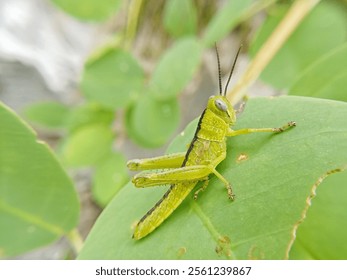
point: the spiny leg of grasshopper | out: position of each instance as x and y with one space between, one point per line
161 162
242 106
252 130
226 183
203 187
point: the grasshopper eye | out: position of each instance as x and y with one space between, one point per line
221 105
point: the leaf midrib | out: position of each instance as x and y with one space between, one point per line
31 218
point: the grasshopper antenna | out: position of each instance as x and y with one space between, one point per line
232 70
219 73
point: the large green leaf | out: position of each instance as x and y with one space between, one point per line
38 203
326 78
321 31
176 68
323 234
272 176
112 79
89 9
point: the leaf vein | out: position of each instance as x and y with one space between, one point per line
210 227
30 218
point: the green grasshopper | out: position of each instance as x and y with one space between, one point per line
184 170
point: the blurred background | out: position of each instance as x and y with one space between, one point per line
107 81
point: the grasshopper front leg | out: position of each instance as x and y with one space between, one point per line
252 130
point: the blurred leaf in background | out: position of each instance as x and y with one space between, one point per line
151 122
113 79
87 146
55 115
175 68
89 9
180 18
321 31
87 114
226 18
48 114
325 78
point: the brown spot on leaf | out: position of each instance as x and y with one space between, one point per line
218 250
241 157
224 239
255 253
223 246
181 252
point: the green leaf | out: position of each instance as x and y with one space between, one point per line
113 79
225 20
272 176
47 114
110 176
89 113
150 122
87 145
89 9
326 78
38 203
321 31
176 68
323 234
180 17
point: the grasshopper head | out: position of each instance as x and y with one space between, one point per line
221 106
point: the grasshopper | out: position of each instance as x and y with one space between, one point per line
182 171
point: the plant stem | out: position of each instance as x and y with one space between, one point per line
75 240
133 16
292 19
